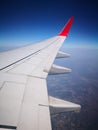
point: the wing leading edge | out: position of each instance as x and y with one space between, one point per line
24 101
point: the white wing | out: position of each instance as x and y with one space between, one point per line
24 101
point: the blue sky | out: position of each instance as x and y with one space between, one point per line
27 21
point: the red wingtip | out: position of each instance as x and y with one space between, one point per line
66 29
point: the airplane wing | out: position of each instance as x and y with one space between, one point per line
24 101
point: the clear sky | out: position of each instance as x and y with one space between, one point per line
27 21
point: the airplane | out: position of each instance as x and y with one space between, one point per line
24 100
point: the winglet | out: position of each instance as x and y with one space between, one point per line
66 29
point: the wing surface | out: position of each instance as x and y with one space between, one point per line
24 101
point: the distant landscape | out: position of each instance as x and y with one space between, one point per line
80 86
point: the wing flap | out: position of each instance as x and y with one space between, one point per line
22 108
35 106
9 77
11 95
